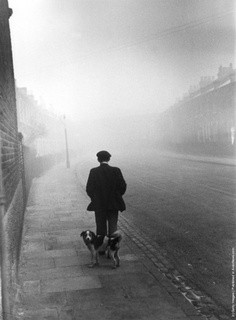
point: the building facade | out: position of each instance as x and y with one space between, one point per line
42 130
206 117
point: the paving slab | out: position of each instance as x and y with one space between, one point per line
69 237
34 247
39 263
51 253
32 287
50 300
55 273
67 313
41 314
50 243
70 284
66 261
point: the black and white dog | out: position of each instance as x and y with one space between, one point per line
96 244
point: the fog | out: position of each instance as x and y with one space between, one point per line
108 64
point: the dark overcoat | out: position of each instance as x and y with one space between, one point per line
105 187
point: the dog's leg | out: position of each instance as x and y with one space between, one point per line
94 258
91 251
112 255
108 253
117 258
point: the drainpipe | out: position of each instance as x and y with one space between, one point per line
6 311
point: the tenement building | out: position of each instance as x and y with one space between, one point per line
205 118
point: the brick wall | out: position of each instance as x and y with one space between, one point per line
8 123
11 160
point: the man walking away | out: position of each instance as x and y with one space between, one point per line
105 187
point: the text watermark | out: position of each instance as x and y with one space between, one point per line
233 285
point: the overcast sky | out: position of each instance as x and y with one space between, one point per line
108 57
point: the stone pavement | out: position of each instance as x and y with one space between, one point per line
54 279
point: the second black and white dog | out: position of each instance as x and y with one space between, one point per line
96 244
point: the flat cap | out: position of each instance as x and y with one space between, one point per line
103 155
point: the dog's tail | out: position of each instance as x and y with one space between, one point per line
116 234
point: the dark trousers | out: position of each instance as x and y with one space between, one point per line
106 220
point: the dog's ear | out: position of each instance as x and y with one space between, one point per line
82 233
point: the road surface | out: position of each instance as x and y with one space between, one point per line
188 209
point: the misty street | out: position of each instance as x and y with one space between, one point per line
134 93
187 208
